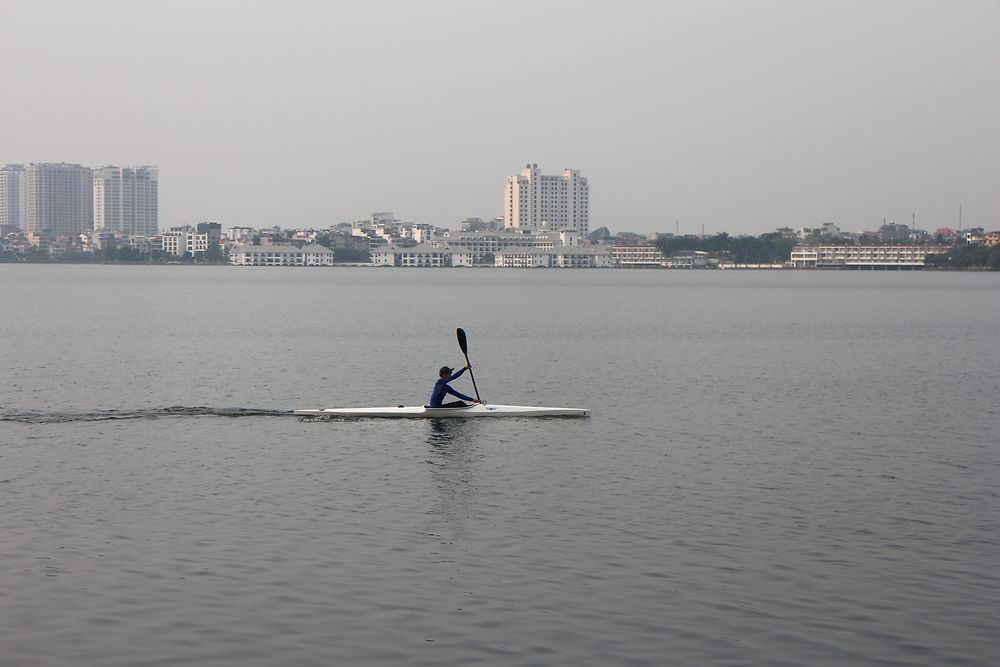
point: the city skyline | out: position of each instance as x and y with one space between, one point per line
723 116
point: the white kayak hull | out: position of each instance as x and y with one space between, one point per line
423 412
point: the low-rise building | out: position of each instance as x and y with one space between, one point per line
175 240
561 257
187 239
691 259
146 245
863 256
892 231
240 233
523 259
582 257
421 255
638 255
277 254
484 245
975 235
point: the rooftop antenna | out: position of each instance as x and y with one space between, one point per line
959 217
677 227
703 230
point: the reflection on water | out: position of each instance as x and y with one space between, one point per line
443 431
455 460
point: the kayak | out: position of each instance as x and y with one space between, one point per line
424 412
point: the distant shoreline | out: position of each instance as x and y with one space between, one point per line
881 269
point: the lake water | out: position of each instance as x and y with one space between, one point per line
782 468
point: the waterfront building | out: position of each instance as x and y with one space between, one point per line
484 246
421 255
207 235
534 201
126 199
863 256
523 259
562 257
582 257
12 196
277 254
187 239
147 245
58 198
691 259
175 240
639 255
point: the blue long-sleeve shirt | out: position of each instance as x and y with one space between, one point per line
441 389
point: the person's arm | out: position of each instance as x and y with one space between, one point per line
460 395
457 373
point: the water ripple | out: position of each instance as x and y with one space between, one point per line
43 417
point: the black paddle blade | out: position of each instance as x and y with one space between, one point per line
462 342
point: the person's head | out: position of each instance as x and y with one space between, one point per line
445 371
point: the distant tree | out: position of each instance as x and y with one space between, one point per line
349 254
599 234
937 260
213 255
765 249
966 257
37 255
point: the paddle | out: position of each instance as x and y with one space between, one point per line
464 344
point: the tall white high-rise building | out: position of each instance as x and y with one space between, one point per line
126 199
535 201
59 198
12 195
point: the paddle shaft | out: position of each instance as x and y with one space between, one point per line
464 344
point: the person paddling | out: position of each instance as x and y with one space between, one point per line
442 389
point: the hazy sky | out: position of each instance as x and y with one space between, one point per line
740 116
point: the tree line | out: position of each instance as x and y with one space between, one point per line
764 249
967 257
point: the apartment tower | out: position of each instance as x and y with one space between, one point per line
58 198
534 201
12 196
126 200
